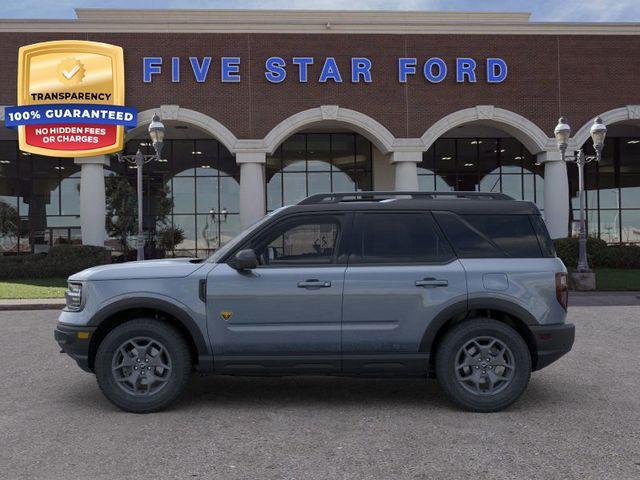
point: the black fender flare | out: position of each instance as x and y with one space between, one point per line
462 308
203 350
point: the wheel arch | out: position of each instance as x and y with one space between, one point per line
121 311
504 311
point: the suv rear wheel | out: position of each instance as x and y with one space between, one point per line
483 365
143 365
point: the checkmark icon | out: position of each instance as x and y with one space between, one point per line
71 73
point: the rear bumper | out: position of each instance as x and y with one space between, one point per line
74 341
552 342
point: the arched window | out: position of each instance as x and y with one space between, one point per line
195 188
482 164
308 163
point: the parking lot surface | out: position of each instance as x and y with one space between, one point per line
579 418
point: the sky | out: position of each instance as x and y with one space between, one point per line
542 10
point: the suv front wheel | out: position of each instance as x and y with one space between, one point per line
143 365
483 365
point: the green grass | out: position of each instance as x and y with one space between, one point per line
33 288
617 279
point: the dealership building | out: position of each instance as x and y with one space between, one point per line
263 108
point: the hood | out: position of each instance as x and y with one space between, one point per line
166 268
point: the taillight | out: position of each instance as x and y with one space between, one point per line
562 289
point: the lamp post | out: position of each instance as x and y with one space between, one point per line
562 133
210 230
156 133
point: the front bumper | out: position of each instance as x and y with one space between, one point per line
552 342
74 341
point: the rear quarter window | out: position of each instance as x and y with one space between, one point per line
492 235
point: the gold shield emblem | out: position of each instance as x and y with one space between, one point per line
226 314
71 72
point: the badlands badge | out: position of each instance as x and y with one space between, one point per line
70 99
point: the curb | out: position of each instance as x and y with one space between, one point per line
35 304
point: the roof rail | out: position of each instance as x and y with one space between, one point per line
376 196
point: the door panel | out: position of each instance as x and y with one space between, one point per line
386 310
269 314
402 274
285 314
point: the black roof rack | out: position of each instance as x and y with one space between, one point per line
378 196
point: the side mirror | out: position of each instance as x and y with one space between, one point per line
245 260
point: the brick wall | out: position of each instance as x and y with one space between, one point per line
578 76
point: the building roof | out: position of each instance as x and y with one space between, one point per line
310 21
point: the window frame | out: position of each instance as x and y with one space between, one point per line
261 239
356 253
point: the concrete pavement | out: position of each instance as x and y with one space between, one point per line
579 418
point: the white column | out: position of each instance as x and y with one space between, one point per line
556 194
252 187
92 199
406 165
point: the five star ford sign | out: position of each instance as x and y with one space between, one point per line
70 99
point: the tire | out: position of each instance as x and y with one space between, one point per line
143 365
472 382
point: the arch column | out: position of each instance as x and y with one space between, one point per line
406 170
556 194
93 209
252 186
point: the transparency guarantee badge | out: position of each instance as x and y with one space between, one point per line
71 99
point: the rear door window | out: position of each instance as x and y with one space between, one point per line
405 238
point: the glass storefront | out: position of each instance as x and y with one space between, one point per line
194 189
483 165
39 201
308 163
612 191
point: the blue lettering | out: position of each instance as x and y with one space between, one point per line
360 67
175 69
428 70
230 70
465 67
496 70
200 71
303 64
406 66
330 71
151 66
275 69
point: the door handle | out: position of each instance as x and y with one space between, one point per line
431 283
313 283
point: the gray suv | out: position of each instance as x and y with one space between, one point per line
462 286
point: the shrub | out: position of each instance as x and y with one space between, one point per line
61 261
169 237
599 254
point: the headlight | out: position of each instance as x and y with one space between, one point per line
73 296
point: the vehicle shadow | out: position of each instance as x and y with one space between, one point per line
311 390
229 392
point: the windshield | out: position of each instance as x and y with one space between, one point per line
238 239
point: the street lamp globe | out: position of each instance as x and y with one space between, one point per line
598 132
562 133
156 133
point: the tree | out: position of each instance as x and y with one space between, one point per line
122 208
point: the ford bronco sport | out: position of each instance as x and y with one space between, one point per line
462 286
